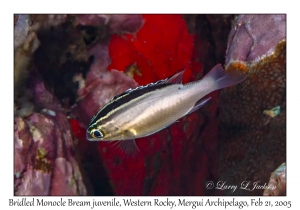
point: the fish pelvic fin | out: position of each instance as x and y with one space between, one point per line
222 79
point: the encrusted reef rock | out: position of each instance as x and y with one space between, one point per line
25 43
277 182
253 113
45 162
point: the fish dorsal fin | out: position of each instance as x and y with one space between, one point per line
176 78
122 94
139 88
199 104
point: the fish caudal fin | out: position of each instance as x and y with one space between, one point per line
221 79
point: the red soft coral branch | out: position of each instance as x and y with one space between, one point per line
160 48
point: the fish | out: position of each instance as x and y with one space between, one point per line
145 110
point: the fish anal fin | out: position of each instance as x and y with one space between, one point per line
170 124
199 104
176 78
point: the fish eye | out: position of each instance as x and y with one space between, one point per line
97 134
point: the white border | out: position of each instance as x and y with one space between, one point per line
153 6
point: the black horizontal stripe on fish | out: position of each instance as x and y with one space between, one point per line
127 96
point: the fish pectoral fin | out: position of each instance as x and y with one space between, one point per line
199 104
176 78
131 133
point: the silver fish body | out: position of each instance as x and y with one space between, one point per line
149 109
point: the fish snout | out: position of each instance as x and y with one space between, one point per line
90 137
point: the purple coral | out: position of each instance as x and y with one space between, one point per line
115 23
254 36
44 150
